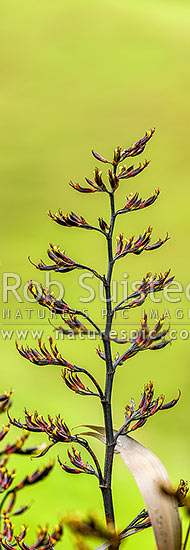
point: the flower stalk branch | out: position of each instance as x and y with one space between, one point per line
72 375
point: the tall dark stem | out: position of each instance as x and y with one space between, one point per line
107 408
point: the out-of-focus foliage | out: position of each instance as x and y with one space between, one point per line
10 489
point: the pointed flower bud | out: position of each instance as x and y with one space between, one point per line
148 406
114 180
5 401
131 172
62 263
103 225
137 147
93 189
100 353
6 478
44 540
144 340
56 429
135 203
3 432
116 155
69 220
98 180
80 466
74 324
119 244
139 245
37 476
99 157
150 283
73 382
44 357
47 299
181 492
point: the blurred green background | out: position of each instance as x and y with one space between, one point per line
77 75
